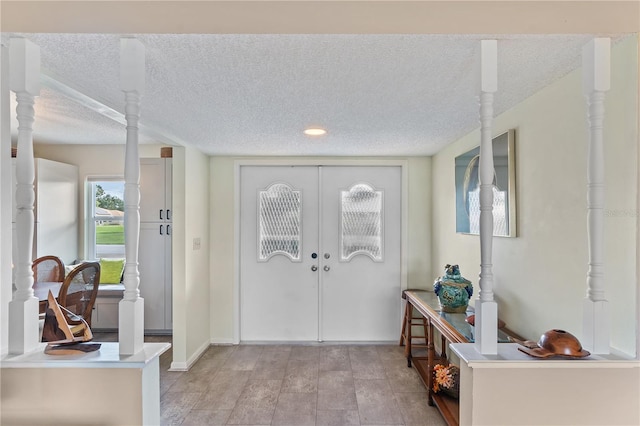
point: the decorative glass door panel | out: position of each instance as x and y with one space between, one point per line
280 215
361 230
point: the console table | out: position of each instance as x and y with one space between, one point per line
453 329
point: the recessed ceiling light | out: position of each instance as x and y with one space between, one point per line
314 131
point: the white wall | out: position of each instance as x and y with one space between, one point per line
191 308
92 160
420 272
223 247
33 396
221 259
540 276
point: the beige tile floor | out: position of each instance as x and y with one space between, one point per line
295 385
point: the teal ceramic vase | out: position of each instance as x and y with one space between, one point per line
453 290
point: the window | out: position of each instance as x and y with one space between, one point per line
361 222
106 221
279 233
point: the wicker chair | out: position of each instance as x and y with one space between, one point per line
48 269
79 291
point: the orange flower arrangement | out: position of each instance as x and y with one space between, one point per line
445 377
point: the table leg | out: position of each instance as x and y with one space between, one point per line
407 347
430 362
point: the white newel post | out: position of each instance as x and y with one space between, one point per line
596 80
486 333
6 255
24 61
131 308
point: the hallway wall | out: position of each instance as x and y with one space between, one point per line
540 276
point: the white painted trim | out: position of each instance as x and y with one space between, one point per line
321 277
6 202
24 61
131 307
107 357
637 306
486 335
403 164
185 366
236 256
404 239
179 366
55 82
223 341
596 65
320 342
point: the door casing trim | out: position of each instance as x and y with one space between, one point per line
238 164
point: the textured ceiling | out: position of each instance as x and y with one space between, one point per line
254 94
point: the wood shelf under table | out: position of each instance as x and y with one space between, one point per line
448 406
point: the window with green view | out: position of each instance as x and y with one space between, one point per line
107 218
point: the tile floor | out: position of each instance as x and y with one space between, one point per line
295 385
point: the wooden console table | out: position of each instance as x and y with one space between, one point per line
453 329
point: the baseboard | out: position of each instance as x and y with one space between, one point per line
624 355
185 366
222 341
322 343
178 366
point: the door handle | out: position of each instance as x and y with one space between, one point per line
160 214
326 267
161 230
168 229
314 268
168 214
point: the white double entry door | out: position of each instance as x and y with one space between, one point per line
320 253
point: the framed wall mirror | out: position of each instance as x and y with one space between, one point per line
504 188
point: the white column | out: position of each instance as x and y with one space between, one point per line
486 326
131 308
24 59
5 196
596 80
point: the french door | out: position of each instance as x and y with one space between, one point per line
320 253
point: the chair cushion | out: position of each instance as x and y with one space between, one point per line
111 290
111 270
78 279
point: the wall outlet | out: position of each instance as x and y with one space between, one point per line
196 243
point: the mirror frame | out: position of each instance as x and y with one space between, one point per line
462 163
